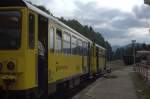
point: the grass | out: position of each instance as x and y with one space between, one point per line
142 88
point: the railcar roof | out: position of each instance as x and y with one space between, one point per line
100 47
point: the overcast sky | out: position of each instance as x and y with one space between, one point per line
119 21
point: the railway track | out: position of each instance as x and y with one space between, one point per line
69 93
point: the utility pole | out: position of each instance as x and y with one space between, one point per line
133 46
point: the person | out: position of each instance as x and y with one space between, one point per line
41 63
41 49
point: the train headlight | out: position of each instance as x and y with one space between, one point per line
11 65
1 66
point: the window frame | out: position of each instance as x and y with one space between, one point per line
74 51
67 42
51 47
56 41
21 28
80 47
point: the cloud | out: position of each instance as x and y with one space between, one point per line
119 22
114 24
142 12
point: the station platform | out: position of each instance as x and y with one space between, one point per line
117 85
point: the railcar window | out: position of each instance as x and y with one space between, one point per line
97 52
67 43
31 31
87 49
10 30
74 45
59 40
51 38
104 53
84 48
80 47
100 53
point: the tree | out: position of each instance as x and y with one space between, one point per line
109 51
41 8
44 9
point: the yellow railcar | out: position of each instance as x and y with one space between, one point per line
101 59
98 59
69 56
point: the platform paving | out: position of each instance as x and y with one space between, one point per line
117 85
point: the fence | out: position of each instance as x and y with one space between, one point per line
144 70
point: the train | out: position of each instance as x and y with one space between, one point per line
69 57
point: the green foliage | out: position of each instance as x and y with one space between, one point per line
128 50
109 51
41 8
44 9
89 32
118 54
86 31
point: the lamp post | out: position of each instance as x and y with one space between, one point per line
133 46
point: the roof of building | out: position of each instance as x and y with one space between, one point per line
143 53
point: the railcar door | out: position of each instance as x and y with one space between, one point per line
42 56
85 58
97 60
89 58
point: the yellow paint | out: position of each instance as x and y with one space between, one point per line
60 66
24 58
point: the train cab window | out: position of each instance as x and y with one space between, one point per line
74 45
51 38
66 43
58 40
31 31
10 30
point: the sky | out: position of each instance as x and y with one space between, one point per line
119 21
